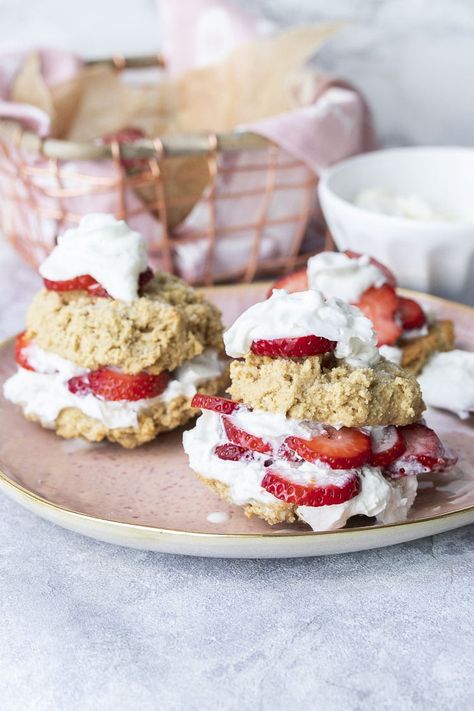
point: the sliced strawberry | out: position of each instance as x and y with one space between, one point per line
424 452
410 313
380 305
313 494
22 343
110 384
127 135
145 277
233 453
214 403
90 285
244 439
387 445
300 347
80 283
296 281
389 275
344 448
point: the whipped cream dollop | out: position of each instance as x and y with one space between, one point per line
413 207
391 353
415 332
45 394
336 274
447 382
305 313
387 500
103 248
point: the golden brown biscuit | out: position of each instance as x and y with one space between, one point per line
168 325
417 351
325 390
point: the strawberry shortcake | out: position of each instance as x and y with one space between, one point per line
111 350
320 427
406 334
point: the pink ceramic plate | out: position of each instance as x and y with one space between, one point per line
148 498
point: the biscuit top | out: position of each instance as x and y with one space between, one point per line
167 325
103 248
337 274
301 314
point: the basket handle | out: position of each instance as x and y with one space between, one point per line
119 62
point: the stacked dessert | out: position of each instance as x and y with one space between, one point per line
406 334
113 351
321 427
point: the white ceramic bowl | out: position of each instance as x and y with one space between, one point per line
435 257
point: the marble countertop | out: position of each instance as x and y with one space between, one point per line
86 625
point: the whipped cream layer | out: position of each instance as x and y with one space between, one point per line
336 274
103 248
447 381
391 353
305 313
385 499
44 394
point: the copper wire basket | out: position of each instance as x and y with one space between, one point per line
47 184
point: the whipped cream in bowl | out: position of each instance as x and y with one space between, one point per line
305 313
105 249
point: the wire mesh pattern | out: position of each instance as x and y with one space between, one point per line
212 208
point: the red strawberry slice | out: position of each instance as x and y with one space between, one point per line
300 347
344 448
90 285
22 343
296 281
410 313
313 494
127 135
80 283
233 453
424 452
387 445
244 439
110 384
217 404
389 275
380 305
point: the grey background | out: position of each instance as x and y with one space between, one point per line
89 626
